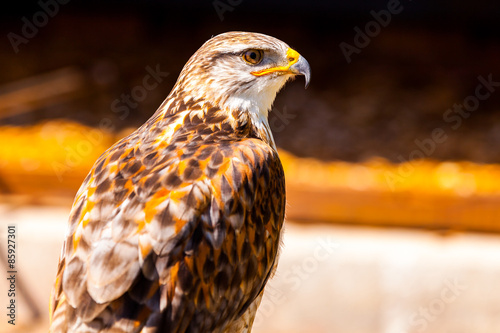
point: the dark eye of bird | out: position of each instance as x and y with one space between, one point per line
253 56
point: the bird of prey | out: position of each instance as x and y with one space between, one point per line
177 226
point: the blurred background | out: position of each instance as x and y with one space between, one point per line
392 155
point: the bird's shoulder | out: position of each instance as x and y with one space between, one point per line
139 200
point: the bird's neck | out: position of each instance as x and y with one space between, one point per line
260 123
179 114
254 111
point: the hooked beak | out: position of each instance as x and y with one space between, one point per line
297 65
301 67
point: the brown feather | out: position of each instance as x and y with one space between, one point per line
177 227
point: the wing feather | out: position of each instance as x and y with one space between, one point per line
156 236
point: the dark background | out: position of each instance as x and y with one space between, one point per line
395 91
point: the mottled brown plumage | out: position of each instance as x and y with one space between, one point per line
177 226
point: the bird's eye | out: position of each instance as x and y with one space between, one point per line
253 56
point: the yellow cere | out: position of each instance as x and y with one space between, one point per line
291 55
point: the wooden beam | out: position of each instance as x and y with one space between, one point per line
40 91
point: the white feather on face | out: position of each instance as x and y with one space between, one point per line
238 87
222 77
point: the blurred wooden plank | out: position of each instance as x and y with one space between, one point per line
435 195
43 184
430 211
395 209
39 91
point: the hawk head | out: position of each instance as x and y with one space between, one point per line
241 71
